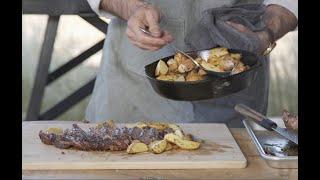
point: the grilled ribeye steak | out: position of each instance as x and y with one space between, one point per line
102 137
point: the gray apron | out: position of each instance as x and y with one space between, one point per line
123 94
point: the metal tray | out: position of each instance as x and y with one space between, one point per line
261 136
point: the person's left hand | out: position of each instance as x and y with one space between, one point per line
261 35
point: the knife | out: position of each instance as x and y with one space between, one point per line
265 122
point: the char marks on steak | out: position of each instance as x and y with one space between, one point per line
102 137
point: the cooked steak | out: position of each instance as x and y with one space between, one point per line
103 137
290 121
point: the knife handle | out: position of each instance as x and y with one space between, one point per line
255 116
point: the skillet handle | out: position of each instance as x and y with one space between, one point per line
255 116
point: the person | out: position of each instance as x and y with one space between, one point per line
121 91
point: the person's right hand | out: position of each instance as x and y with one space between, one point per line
147 17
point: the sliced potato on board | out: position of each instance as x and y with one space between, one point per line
168 147
174 126
188 137
158 125
179 133
158 147
54 130
182 143
141 124
137 147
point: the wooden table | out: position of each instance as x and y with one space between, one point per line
257 169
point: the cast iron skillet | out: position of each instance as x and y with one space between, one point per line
209 88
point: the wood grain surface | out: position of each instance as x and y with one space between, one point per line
219 150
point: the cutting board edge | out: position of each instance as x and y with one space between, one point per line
142 165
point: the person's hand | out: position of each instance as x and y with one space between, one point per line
277 18
261 35
145 17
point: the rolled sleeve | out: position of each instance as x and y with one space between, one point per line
291 5
95 4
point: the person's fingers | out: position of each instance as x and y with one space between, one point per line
145 47
135 25
167 36
130 34
134 41
152 20
147 39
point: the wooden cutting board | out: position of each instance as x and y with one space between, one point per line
219 150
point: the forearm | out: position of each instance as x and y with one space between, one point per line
279 20
120 8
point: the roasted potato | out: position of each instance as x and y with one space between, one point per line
227 64
218 52
168 147
188 137
193 76
173 126
198 59
184 63
179 133
158 147
137 147
161 69
141 124
240 67
173 65
100 125
182 143
111 123
182 68
179 78
157 125
201 72
179 58
211 67
214 61
168 77
236 56
54 130
177 129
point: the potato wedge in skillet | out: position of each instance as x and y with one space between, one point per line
181 69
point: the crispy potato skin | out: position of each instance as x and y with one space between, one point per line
169 147
137 147
158 147
175 140
54 130
161 69
194 76
182 143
